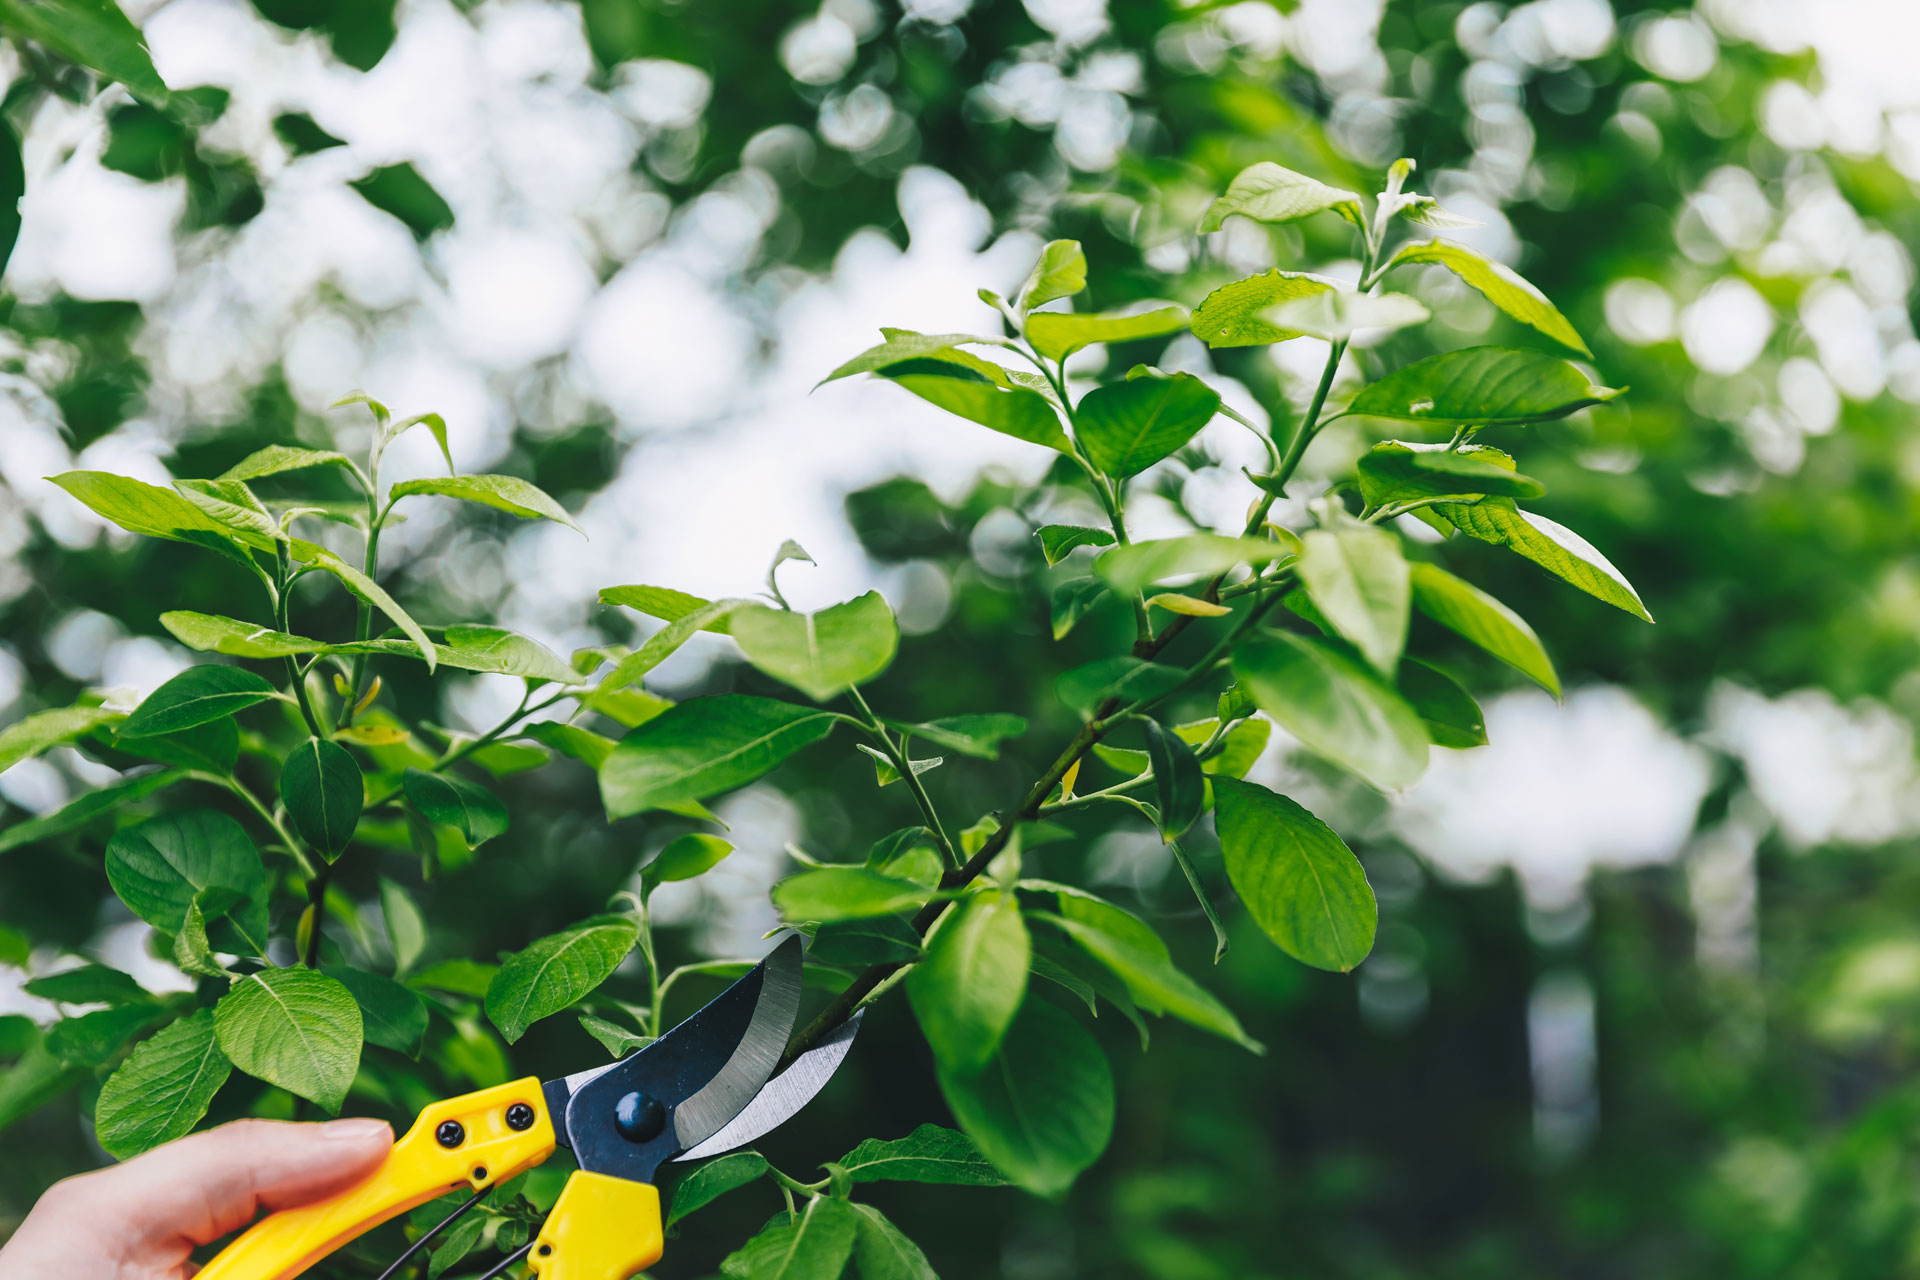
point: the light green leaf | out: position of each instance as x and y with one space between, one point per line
1041 1108
1498 283
614 1038
406 927
1335 708
814 1246
1058 541
703 747
1554 547
714 1179
1337 314
157 866
663 603
1126 427
510 494
108 799
393 1016
882 1252
976 735
821 654
1239 749
685 857
904 345
139 507
1397 471
571 740
495 649
1240 314
1132 568
231 504
192 953
830 894
556 971
163 1088
324 793
1357 576
1266 192
446 798
461 977
1058 334
1061 272
366 589
1123 677
296 1028
928 1154
1481 386
196 696
1153 981
94 33
211 633
1300 882
884 772
44 730
1071 601
1452 717
1013 411
966 992
705 616
1465 608
278 458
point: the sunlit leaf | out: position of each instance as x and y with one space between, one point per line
1500 284
821 654
1266 192
1481 386
966 992
1058 334
703 747
1061 272
556 971
1058 541
1452 717
1241 314
1358 578
163 1088
1396 471
1335 708
1455 603
1131 568
1554 547
1300 882
296 1028
1126 427
503 493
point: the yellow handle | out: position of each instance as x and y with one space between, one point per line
489 1151
601 1228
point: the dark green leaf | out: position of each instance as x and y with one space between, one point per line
510 494
1452 717
13 185
108 799
392 1016
163 1088
399 189
854 944
93 1039
44 730
814 1246
714 1179
1358 578
1300 882
1140 960
1499 284
1238 314
703 747
821 654
1266 192
1396 471
1125 678
1180 789
406 928
1554 547
1126 427
556 971
1481 386
928 1154
296 1028
966 992
978 735
211 748
904 345
324 793
94 33
158 866
1335 708
89 984
684 858
1058 334
1479 617
882 1252
1071 600
1013 411
1061 272
452 801
1058 541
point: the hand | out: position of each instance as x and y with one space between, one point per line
141 1219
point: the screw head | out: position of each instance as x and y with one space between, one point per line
450 1134
520 1117
639 1117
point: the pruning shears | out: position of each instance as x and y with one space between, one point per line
705 1087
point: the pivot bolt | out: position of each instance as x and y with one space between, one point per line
639 1117
520 1117
450 1134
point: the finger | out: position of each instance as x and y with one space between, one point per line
198 1189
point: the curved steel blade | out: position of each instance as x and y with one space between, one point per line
785 1094
700 1074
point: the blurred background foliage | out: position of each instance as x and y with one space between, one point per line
1644 998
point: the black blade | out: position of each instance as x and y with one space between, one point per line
627 1118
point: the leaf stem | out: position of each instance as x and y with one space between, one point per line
371 566
230 783
283 562
878 731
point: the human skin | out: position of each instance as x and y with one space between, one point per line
141 1220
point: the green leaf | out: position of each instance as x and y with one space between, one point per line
1133 568
706 616
703 747
714 1179
1150 976
366 589
1071 601
461 977
1239 749
1058 334
1180 789
1358 578
108 799
1335 708
903 345
1266 192
814 1246
928 1154
1481 386
1301 883
510 494
1337 314
213 747
882 1252
278 458
94 1039
13 186
88 984
295 1028
663 603
1041 1109
1126 427
821 654
976 735
406 928
192 953
1122 677
1058 541
614 1038
44 730
324 792
392 1016
966 992
854 944
211 633
399 189
556 971
571 740
1554 547
196 696
1061 272
158 866
163 1088
231 504
884 773
1240 314
452 801
136 506
830 894
685 857
94 33
1012 411
1397 471
1452 717
1466 609
497 650
1499 284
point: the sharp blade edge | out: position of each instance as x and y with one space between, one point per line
783 1095
735 1084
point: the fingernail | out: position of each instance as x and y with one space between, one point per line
359 1129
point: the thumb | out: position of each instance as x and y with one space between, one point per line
200 1188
